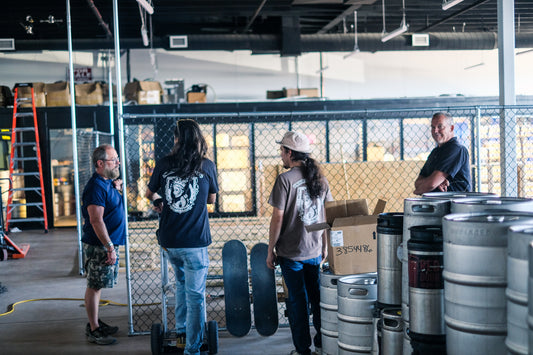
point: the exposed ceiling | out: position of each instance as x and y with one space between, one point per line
288 27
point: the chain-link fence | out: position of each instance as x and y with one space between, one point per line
364 154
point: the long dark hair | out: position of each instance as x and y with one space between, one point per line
312 173
189 150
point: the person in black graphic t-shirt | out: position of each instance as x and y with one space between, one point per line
447 167
186 181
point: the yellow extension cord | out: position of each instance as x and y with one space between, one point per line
11 307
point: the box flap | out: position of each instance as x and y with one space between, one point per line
354 221
380 207
345 208
150 86
317 227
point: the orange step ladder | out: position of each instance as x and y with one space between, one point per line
25 162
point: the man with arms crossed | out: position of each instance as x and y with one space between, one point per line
447 167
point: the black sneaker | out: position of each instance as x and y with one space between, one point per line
106 328
99 337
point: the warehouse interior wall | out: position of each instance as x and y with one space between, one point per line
241 76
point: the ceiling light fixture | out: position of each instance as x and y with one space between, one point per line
355 44
402 29
148 7
446 4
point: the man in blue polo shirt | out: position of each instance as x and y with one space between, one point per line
447 167
104 230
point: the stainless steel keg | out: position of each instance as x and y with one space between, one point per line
356 298
391 331
518 240
389 237
475 278
469 205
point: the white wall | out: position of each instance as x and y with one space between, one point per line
238 76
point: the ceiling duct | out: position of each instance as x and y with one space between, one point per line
7 44
334 42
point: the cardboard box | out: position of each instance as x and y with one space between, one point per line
38 93
144 92
89 94
311 92
57 94
194 97
352 240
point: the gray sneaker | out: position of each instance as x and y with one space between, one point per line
99 337
106 328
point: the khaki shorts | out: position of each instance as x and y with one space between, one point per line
99 274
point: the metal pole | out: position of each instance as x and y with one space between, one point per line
321 77
74 139
506 45
110 95
478 149
122 156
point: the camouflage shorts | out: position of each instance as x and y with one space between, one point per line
99 274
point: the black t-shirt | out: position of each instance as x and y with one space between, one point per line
450 158
184 220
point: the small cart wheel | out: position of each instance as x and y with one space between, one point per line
212 336
156 339
3 254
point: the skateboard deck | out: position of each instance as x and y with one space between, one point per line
236 288
264 293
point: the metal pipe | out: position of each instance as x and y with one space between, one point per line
100 18
121 141
478 149
249 24
74 139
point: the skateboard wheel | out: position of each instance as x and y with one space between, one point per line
156 339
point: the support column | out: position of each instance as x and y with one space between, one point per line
506 59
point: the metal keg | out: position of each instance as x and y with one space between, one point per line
453 195
530 296
417 212
425 281
357 295
391 331
389 234
518 240
475 278
328 312
468 205
426 290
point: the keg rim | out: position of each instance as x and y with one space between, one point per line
490 216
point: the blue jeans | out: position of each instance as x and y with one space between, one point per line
190 266
303 283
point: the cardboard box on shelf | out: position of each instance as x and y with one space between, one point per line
352 240
275 94
57 94
310 92
193 97
89 94
144 92
38 93
290 92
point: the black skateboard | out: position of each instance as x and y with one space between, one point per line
264 293
236 288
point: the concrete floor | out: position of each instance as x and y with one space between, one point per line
37 326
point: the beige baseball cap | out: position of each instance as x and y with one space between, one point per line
296 141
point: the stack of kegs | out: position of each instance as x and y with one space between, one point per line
387 313
417 212
328 312
475 280
356 297
426 290
518 240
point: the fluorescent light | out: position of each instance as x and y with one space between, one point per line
402 29
149 8
445 4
